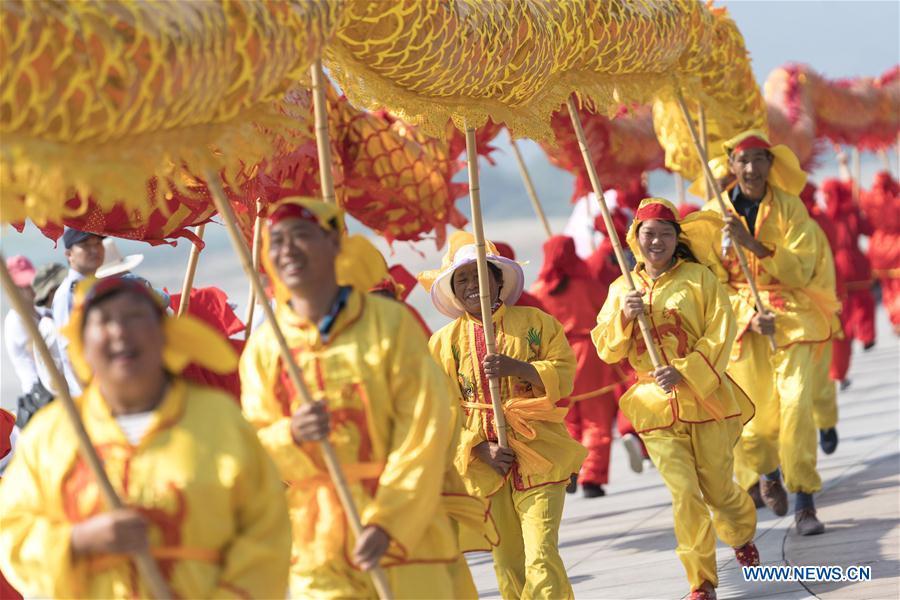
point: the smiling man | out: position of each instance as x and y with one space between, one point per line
380 399
767 218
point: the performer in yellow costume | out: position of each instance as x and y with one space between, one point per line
782 252
688 413
526 483
199 489
383 403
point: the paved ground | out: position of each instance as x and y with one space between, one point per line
622 546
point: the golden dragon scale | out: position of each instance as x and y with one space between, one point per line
103 96
517 62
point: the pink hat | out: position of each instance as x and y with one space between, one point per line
21 270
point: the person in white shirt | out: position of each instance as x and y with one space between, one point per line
46 282
15 337
85 254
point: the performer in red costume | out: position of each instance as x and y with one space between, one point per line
882 205
526 299
565 287
853 269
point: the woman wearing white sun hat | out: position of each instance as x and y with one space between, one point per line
526 482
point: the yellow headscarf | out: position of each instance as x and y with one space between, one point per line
696 229
786 172
188 340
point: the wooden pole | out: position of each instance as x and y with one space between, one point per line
857 173
529 187
329 455
885 161
611 229
190 272
146 566
679 189
484 287
257 247
704 161
704 143
323 142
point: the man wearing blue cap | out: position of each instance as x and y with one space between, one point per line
85 254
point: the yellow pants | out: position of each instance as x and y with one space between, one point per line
695 462
527 561
783 431
418 581
825 410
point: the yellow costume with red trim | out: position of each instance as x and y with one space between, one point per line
218 523
691 431
392 426
781 384
526 504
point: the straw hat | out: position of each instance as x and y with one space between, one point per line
114 263
462 252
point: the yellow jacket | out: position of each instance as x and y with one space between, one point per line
784 227
218 520
391 428
823 285
546 453
690 313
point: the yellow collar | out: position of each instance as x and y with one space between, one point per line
498 314
298 330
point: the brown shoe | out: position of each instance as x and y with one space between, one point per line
774 496
807 523
754 495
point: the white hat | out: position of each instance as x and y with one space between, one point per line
463 252
114 263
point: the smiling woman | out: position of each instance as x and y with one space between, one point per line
168 446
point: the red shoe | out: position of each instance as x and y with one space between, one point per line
704 592
747 555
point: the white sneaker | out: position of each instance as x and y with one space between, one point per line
635 455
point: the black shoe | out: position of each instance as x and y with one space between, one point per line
828 440
845 383
754 495
592 490
572 486
869 346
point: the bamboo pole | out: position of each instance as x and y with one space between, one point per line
885 161
146 565
323 142
704 143
190 272
529 187
704 161
329 455
857 172
611 229
679 189
257 247
484 287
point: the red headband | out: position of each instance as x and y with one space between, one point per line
655 211
752 142
292 211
